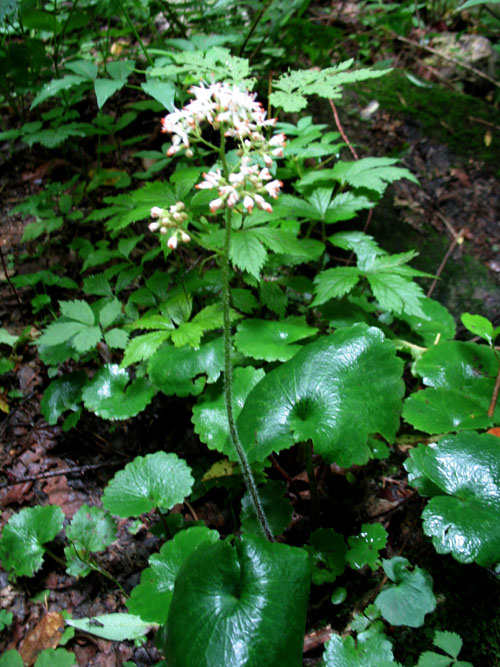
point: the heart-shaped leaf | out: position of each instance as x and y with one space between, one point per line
464 522
181 371
364 548
410 598
327 553
336 391
91 530
271 341
22 538
157 480
371 650
108 398
151 598
210 416
444 410
239 605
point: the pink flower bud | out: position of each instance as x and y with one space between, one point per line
248 203
172 242
154 226
215 204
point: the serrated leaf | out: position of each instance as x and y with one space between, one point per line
277 509
315 395
6 338
86 339
182 371
396 294
464 522
191 333
247 252
334 283
210 416
282 241
374 650
114 627
116 339
151 598
143 347
364 548
221 591
154 481
437 320
97 284
91 529
55 657
273 297
449 642
77 310
373 173
60 332
108 396
11 658
110 312
410 598
269 340
61 395
23 536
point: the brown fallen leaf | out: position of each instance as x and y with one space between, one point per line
46 634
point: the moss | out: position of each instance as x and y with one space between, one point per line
444 114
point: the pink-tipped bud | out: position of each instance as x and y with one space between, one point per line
185 238
172 242
215 204
156 211
248 203
154 226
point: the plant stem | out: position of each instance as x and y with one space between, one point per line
136 34
313 487
494 396
228 388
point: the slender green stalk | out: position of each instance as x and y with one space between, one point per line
228 387
136 34
313 487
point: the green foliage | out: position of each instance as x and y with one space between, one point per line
451 644
364 548
153 481
254 592
23 537
410 598
5 619
114 627
277 508
91 530
327 552
462 474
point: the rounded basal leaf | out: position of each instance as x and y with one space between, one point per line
91 529
464 522
374 650
108 396
61 395
239 605
464 367
157 480
444 410
410 598
210 416
364 548
270 341
277 509
22 538
336 391
151 598
438 321
327 553
181 371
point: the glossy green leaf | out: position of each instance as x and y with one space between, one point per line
108 396
269 340
374 173
182 371
437 321
62 394
78 310
91 530
445 410
369 650
151 598
410 598
478 325
277 509
334 283
109 313
396 294
157 480
143 347
114 627
336 391
364 548
463 520
104 88
116 339
327 553
210 416
239 605
23 536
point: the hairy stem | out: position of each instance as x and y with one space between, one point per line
228 388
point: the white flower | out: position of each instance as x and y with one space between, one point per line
273 188
154 226
212 179
172 242
156 211
215 204
248 203
185 238
263 204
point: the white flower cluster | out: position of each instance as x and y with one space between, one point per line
169 222
245 184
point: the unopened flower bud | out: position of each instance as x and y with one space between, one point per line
172 242
185 238
154 226
156 211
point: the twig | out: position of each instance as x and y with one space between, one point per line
76 470
254 25
8 279
455 241
341 130
494 396
484 122
429 49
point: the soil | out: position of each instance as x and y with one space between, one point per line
458 198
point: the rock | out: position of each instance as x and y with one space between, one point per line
473 50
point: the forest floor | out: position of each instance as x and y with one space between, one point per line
456 204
